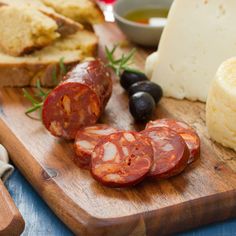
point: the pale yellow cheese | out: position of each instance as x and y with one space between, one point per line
150 62
198 37
221 105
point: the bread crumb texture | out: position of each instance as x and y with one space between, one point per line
83 11
35 38
24 29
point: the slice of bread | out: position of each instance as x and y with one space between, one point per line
86 12
23 71
65 26
42 64
84 40
24 29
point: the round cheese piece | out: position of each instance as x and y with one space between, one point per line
150 64
221 105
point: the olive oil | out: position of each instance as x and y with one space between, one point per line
147 16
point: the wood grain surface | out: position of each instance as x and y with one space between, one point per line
204 193
11 221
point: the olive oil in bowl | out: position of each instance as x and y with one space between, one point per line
148 16
142 21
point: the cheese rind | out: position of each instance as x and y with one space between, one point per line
221 105
199 35
150 62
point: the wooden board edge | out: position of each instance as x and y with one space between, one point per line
47 188
11 222
81 222
191 214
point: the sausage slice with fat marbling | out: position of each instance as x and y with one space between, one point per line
170 152
189 135
79 100
87 138
122 159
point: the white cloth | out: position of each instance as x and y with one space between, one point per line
5 168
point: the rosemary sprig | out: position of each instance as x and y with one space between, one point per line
63 70
40 94
36 100
54 76
123 63
118 65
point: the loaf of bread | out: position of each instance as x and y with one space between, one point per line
86 12
28 25
24 29
65 26
42 64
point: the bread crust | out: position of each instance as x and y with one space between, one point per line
66 26
41 65
77 12
22 75
28 69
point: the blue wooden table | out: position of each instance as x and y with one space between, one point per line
40 220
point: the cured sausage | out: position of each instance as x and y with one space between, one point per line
77 101
170 152
87 138
122 159
185 131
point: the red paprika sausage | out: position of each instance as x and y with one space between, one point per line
170 152
185 131
122 159
77 101
87 138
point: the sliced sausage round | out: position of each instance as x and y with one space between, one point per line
87 138
122 159
79 100
185 131
170 152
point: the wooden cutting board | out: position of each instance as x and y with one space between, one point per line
204 193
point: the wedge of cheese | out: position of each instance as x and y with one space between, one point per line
221 105
199 35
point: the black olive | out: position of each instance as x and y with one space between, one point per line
128 78
141 106
149 87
